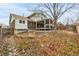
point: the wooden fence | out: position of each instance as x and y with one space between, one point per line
0 32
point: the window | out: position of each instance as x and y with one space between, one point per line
47 21
47 26
51 26
23 22
20 21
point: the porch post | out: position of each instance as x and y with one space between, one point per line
44 24
49 24
36 24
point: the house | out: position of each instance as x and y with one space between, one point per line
35 21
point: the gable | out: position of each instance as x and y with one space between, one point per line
37 16
11 18
16 17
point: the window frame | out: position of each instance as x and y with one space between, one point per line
22 21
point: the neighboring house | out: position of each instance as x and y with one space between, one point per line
60 26
76 24
36 21
6 29
77 28
71 27
0 26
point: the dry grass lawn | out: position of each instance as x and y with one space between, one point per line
62 43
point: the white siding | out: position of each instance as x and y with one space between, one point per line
12 19
20 25
37 17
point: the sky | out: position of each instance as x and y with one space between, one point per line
22 9
17 8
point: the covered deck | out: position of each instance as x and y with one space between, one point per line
46 24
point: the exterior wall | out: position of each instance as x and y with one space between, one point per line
77 29
20 25
17 27
19 31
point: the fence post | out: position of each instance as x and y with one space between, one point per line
1 32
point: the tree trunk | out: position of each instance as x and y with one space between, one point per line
55 24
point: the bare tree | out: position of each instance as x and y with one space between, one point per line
77 17
69 21
55 10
